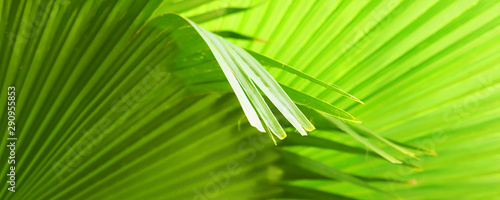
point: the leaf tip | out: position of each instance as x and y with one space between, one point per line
412 182
354 120
396 161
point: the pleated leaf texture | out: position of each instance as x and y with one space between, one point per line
183 99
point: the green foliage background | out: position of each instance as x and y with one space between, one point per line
119 99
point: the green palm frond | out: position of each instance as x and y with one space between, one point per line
247 76
119 99
426 71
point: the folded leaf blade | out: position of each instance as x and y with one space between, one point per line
247 77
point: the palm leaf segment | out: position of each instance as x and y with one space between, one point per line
129 46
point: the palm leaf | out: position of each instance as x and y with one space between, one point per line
149 98
425 71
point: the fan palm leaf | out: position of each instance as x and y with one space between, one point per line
122 99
